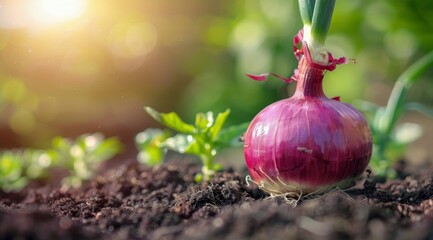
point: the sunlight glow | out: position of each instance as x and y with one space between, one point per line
132 40
56 11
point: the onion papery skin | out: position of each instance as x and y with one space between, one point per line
307 143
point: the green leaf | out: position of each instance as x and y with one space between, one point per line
60 143
393 152
378 120
229 137
219 122
321 20
306 8
83 155
83 168
37 163
183 144
171 120
10 167
16 185
151 156
12 176
60 151
419 107
395 106
106 149
203 121
217 167
151 136
148 143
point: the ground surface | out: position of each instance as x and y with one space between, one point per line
135 202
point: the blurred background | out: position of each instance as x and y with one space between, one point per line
69 67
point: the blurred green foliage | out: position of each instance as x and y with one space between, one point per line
148 144
80 157
391 139
17 168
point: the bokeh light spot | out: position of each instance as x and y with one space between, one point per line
384 15
401 44
248 35
132 40
56 11
13 91
22 121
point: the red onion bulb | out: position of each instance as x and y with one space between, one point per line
307 143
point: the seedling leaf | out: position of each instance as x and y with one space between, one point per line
106 149
183 144
203 121
148 143
171 120
419 107
219 122
229 137
202 140
11 172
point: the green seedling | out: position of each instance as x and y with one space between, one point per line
19 167
390 138
205 139
148 142
11 172
82 156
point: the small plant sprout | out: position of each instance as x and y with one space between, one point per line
148 143
391 138
11 172
308 143
205 139
82 156
18 167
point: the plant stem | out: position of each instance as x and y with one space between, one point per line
208 168
316 16
395 105
306 8
321 20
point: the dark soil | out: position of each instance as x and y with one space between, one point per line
136 202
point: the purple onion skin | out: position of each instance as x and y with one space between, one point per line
307 143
